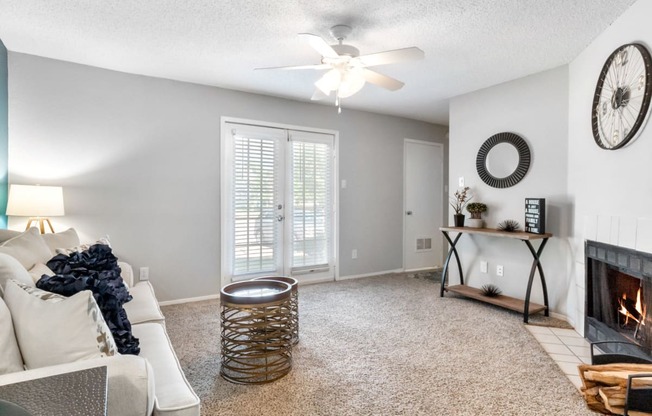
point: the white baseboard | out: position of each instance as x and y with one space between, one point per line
434 268
188 300
358 276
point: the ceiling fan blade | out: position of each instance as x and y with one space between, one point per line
382 80
289 68
319 45
318 95
390 57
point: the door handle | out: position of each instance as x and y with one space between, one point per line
280 218
409 213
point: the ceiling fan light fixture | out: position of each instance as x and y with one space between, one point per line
352 81
330 81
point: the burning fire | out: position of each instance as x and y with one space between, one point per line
637 313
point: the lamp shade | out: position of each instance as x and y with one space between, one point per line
35 201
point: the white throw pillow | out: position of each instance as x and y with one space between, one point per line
38 271
10 268
64 239
10 359
8 235
28 248
52 329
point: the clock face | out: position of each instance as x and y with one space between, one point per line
622 96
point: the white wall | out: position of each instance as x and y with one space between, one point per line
612 190
535 108
139 160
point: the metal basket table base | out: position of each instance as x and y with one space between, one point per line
256 338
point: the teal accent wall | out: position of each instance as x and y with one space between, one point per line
4 134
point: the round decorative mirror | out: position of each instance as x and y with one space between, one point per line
503 160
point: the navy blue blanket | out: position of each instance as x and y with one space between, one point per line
97 270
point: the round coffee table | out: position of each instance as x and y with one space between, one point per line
256 333
294 302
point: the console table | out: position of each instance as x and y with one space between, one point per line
525 306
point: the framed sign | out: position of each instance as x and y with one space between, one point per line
535 215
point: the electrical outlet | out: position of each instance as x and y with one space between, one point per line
499 270
460 182
354 253
484 266
144 273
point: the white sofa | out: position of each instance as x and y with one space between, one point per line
151 383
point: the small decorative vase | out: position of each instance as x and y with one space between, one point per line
459 220
475 223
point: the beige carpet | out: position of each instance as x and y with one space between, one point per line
384 346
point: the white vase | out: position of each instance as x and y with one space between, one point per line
474 223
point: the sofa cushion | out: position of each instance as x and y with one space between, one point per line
174 396
10 268
64 239
52 329
10 358
28 248
144 306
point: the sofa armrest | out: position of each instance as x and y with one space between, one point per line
130 382
127 273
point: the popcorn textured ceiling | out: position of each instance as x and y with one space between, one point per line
469 44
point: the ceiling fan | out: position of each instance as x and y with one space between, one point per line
347 69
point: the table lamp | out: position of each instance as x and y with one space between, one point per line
37 202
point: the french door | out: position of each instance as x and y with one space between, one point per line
278 203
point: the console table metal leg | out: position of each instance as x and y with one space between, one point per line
536 265
451 251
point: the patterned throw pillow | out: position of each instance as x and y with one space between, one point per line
53 329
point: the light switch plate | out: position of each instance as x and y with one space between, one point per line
461 182
484 266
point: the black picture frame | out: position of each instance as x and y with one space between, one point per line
523 160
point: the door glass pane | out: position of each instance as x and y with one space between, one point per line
254 205
311 203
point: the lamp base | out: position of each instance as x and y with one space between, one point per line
41 224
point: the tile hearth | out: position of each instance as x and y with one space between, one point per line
566 347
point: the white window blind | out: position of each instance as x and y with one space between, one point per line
255 194
311 159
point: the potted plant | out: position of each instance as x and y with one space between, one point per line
458 201
476 209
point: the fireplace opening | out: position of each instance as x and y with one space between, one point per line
618 295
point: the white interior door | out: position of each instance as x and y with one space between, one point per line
423 204
278 203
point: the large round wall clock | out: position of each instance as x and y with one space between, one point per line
622 96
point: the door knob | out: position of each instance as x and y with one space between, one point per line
409 213
280 218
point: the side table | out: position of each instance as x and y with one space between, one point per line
256 333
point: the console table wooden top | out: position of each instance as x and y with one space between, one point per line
519 235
